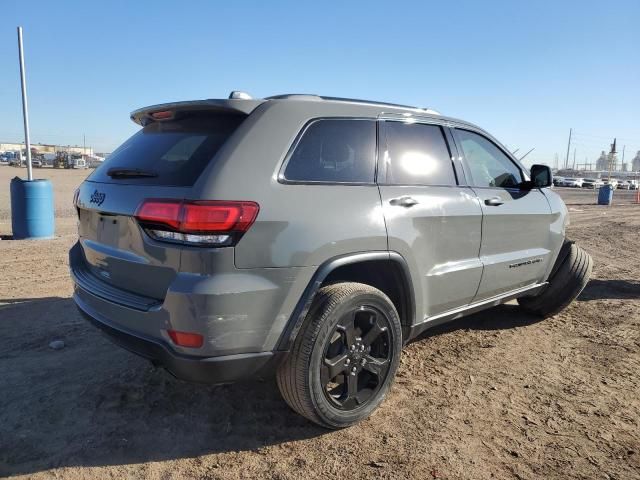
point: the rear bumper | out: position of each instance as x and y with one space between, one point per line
237 312
213 370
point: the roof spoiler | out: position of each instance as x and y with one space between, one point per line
143 116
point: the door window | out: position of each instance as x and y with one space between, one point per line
490 167
417 154
334 151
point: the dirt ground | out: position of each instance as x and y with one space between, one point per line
496 395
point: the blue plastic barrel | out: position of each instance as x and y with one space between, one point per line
32 209
605 195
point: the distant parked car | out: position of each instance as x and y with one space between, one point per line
557 181
612 181
36 163
572 182
634 185
592 183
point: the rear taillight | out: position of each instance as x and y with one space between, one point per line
204 223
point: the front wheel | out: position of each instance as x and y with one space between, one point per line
568 278
344 358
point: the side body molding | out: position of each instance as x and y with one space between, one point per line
302 307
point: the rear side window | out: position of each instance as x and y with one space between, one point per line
334 151
417 154
490 166
172 153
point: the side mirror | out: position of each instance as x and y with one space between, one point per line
541 176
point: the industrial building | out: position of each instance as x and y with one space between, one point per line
46 148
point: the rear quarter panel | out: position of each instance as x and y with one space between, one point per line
298 225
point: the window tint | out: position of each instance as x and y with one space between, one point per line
490 167
175 151
335 151
417 155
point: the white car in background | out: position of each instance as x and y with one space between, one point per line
628 185
592 183
573 182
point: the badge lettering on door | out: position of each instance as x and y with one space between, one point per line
527 262
97 197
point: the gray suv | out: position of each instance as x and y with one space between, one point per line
310 237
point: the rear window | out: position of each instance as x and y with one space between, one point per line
173 153
334 151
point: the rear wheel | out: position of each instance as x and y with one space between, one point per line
568 278
345 356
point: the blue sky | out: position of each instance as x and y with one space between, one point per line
525 71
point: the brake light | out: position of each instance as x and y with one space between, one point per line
167 213
205 223
163 115
186 339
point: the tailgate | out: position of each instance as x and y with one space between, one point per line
115 248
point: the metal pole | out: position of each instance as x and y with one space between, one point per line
566 161
612 156
527 153
25 106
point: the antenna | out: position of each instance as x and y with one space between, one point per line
527 153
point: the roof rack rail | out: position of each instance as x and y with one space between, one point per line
303 96
294 96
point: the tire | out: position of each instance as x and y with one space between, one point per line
568 278
326 344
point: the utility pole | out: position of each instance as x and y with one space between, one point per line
25 106
574 158
612 155
566 160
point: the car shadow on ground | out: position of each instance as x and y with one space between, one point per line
94 404
598 289
502 317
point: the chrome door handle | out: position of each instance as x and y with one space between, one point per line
493 201
404 201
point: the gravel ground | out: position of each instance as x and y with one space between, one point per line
496 395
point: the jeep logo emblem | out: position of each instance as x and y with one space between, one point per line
97 198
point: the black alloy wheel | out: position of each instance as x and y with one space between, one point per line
357 357
345 356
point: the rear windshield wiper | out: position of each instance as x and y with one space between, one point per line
130 173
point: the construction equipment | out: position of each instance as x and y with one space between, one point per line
62 160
